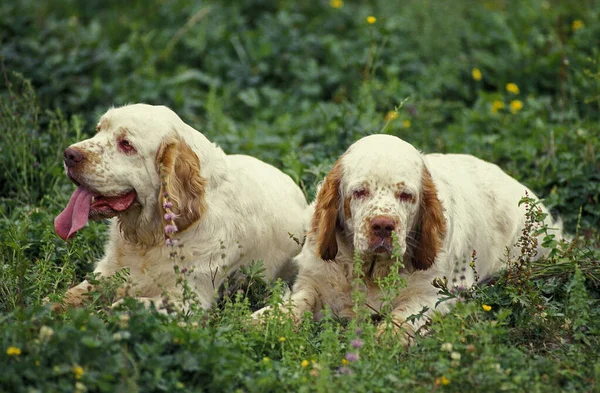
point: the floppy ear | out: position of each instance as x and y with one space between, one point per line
432 225
326 214
181 182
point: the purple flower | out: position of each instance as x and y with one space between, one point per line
356 344
171 242
170 229
344 370
352 357
169 216
165 194
184 270
167 205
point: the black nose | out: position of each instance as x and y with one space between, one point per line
72 157
382 226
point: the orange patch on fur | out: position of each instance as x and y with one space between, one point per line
183 183
347 211
432 225
326 212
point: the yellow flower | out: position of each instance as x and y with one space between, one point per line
476 74
281 339
516 106
512 88
344 361
497 105
391 115
266 359
336 3
77 371
371 19
577 24
13 351
406 124
442 381
305 363
486 307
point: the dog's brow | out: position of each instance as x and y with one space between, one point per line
102 125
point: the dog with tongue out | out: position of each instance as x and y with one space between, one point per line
162 183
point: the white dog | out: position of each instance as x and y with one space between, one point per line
442 207
177 199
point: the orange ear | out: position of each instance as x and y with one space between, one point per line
326 214
431 223
179 167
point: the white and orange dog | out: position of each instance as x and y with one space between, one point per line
442 207
152 172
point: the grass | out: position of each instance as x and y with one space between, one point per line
295 83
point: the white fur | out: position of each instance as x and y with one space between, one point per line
251 209
480 209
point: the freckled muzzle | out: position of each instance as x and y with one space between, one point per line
380 234
87 203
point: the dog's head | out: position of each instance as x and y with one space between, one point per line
380 185
138 158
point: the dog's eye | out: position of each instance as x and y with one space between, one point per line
126 146
405 197
359 194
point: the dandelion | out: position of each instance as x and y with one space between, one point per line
476 74
442 381
170 229
371 19
345 361
13 351
497 105
358 343
447 347
352 357
512 88
391 115
486 307
304 363
577 24
455 355
336 4
281 339
516 106
406 124
77 372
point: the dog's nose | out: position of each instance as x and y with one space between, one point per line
382 226
72 157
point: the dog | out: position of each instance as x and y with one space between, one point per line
441 208
178 205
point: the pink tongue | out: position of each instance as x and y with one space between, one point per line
75 215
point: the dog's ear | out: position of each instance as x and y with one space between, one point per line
431 224
326 214
181 182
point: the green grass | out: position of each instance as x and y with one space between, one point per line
294 84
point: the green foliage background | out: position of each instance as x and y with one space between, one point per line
294 83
